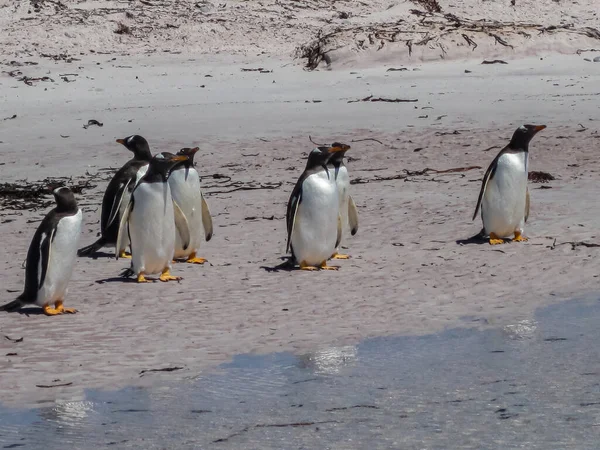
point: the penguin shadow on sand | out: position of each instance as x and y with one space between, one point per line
101 254
30 311
478 238
288 265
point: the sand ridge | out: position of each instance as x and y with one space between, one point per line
349 33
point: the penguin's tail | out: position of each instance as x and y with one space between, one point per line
90 249
127 273
12 306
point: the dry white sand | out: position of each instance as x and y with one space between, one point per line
409 272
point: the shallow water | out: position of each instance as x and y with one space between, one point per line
532 385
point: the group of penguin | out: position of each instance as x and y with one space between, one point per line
154 205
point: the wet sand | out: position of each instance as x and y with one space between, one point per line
530 384
413 269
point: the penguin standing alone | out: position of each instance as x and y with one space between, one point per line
504 196
51 257
150 219
184 182
348 213
117 194
313 221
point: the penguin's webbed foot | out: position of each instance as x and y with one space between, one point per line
324 266
142 279
59 307
339 256
519 237
495 240
305 266
193 259
166 276
124 254
51 311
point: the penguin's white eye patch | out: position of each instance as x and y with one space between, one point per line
129 139
160 156
57 190
522 128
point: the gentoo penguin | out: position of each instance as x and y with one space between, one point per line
150 219
348 213
51 257
313 221
117 194
184 182
504 197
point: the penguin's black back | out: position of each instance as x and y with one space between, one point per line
125 174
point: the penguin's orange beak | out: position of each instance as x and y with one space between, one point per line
121 141
539 128
339 148
179 158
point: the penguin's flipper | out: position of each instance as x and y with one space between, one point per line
526 204
123 228
45 253
352 216
489 174
182 225
338 239
116 206
292 209
206 220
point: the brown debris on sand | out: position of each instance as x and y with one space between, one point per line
26 195
540 177
430 29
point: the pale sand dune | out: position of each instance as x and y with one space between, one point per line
408 273
362 31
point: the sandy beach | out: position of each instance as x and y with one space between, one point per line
413 270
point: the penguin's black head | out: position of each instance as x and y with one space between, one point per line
163 163
65 199
338 153
189 152
138 145
320 156
524 134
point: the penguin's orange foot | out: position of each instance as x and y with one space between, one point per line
305 266
59 307
519 237
51 311
166 276
124 254
142 279
339 256
324 266
495 240
193 259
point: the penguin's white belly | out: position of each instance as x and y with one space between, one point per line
63 252
343 187
185 188
126 197
315 230
503 204
152 228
